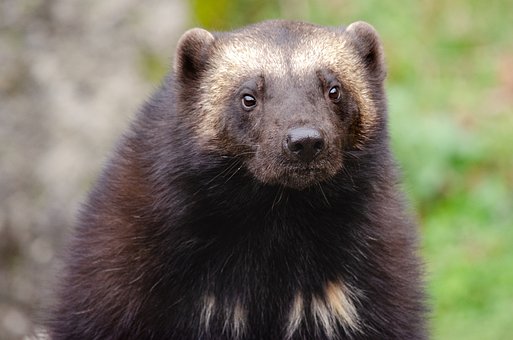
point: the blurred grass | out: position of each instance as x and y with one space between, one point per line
450 91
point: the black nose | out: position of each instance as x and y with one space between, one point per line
304 144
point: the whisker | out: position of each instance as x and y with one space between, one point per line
246 153
234 162
278 197
229 168
323 194
348 174
240 167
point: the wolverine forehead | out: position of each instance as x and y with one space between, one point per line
299 56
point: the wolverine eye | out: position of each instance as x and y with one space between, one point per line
334 93
248 102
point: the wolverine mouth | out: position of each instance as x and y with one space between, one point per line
305 172
277 169
301 177
296 176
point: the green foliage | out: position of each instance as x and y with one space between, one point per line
226 14
450 90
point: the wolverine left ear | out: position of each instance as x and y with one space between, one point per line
192 54
366 41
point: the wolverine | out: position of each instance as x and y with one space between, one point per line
254 197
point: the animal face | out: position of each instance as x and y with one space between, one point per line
288 104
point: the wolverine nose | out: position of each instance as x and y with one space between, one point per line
304 144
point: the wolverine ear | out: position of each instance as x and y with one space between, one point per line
366 41
192 53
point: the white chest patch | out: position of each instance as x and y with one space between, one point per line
331 310
234 316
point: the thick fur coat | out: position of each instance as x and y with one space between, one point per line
253 197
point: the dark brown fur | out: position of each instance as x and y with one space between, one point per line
207 223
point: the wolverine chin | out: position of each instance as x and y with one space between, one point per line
298 177
302 178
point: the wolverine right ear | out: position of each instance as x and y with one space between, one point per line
191 53
366 41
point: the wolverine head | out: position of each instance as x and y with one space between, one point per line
289 99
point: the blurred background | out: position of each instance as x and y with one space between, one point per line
72 74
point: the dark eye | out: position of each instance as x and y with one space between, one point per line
248 102
334 93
